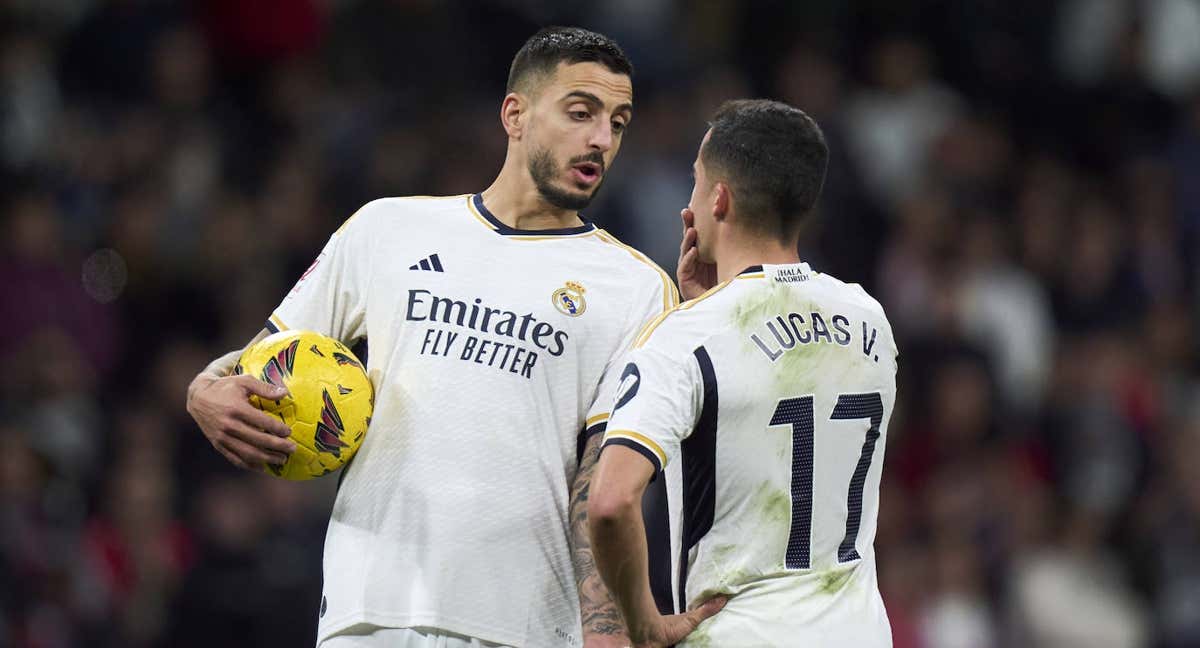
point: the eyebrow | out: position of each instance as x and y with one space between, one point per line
593 99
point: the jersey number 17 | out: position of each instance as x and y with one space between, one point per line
798 413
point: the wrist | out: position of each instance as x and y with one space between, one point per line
641 633
202 380
603 640
643 624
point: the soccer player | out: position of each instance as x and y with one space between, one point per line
492 320
771 393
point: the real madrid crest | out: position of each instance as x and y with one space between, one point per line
569 299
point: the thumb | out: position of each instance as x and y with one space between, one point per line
262 388
707 609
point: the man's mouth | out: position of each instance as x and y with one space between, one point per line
586 173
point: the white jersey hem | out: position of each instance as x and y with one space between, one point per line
438 622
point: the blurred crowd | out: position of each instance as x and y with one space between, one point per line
1017 182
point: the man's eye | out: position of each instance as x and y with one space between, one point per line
579 115
618 127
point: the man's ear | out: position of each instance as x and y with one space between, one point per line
722 201
514 113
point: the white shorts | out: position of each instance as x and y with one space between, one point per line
363 635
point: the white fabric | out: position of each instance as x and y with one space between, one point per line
367 636
833 340
453 514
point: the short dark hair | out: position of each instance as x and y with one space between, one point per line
542 53
774 158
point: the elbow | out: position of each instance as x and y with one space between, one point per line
607 509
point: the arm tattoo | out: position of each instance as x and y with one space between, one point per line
600 613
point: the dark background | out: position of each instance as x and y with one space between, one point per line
1017 181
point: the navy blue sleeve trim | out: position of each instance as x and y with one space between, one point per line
641 449
271 327
582 439
584 435
595 429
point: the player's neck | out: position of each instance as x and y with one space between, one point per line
741 255
515 201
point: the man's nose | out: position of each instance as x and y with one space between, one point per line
601 137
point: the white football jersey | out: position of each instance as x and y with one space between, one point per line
487 349
767 401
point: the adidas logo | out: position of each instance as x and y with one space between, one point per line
431 262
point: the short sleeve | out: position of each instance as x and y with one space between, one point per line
330 297
656 303
656 405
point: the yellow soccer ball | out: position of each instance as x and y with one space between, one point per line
329 401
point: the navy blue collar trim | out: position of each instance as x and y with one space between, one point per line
751 269
501 228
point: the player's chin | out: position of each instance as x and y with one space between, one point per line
575 191
581 191
584 188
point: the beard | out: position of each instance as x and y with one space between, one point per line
543 170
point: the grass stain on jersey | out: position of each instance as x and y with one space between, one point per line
699 638
723 560
799 362
776 505
834 580
728 583
721 553
755 308
750 316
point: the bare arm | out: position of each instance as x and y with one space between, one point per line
243 434
219 368
602 625
619 538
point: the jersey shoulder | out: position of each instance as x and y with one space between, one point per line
855 294
850 292
686 326
637 268
399 223
382 211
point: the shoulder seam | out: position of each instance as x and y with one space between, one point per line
382 200
358 211
670 292
423 197
644 336
388 199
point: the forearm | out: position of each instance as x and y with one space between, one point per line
619 543
222 366
218 368
599 611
